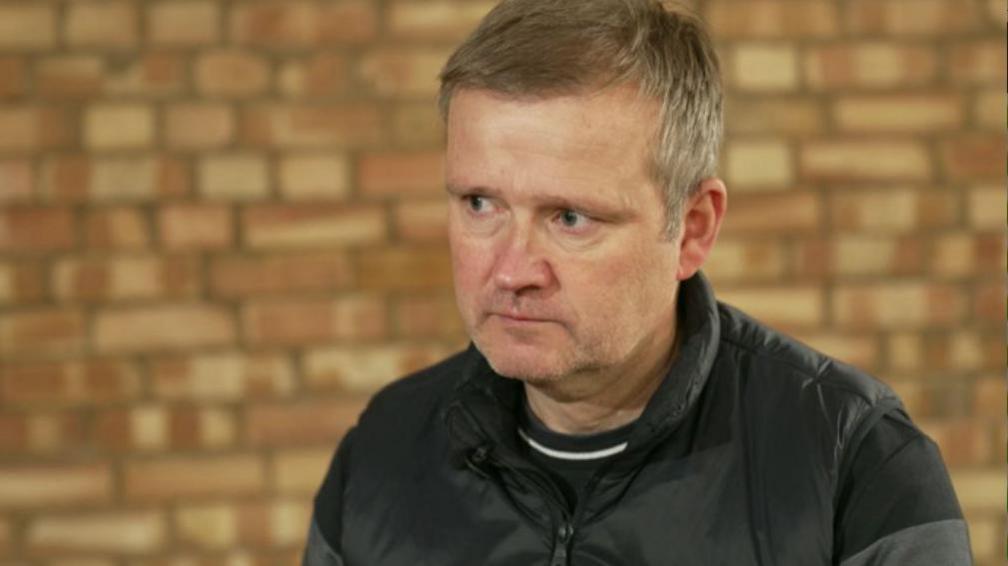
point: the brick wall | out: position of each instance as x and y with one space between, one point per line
221 229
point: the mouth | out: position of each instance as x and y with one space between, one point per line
519 319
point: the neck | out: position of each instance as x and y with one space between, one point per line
606 399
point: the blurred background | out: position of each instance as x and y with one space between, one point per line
222 228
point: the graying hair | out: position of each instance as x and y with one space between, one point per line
543 48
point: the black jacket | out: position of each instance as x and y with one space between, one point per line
754 450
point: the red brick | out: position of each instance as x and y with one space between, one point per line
990 397
405 269
962 255
869 65
46 487
365 369
196 226
234 176
17 183
101 23
776 115
401 173
167 327
183 22
439 21
417 123
899 113
975 157
302 423
231 73
56 433
897 305
859 350
13 440
910 17
307 321
196 125
292 226
403 73
963 443
323 75
127 277
70 76
786 211
77 177
32 128
26 26
28 230
157 428
746 259
862 254
989 302
316 125
422 220
59 332
227 376
22 282
241 276
315 177
74 383
980 62
186 478
153 75
89 533
865 160
786 307
771 18
117 228
299 24
13 76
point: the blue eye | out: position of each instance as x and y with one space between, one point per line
570 218
476 203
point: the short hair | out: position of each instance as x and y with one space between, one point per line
544 48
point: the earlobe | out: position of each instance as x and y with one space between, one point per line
702 218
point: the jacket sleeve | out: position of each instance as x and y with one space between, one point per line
896 505
326 531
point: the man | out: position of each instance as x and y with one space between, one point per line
609 410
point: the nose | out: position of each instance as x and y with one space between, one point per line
520 267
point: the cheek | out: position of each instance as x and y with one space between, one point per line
470 264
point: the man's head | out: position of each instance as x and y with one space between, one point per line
570 226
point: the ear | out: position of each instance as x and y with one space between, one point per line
702 215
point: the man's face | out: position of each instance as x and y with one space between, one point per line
560 259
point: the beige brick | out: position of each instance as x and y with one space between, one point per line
422 220
316 125
148 426
954 255
963 443
899 113
119 532
405 173
300 471
910 17
119 126
48 487
55 433
774 115
892 209
417 123
116 228
989 109
306 321
101 23
435 21
118 179
72 76
765 68
771 18
987 207
227 376
865 160
986 535
169 327
136 277
897 305
231 73
790 307
989 396
196 226
425 317
980 62
179 477
199 125
405 269
874 255
366 369
234 176
27 26
274 274
326 74
760 163
17 183
299 24
156 75
207 526
183 22
906 350
861 351
869 65
768 213
292 226
288 520
73 383
403 72
745 259
302 423
316 177
33 128
59 332
980 490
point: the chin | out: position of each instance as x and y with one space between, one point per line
525 363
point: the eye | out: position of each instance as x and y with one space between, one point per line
476 203
572 218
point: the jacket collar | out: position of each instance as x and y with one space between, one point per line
483 411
